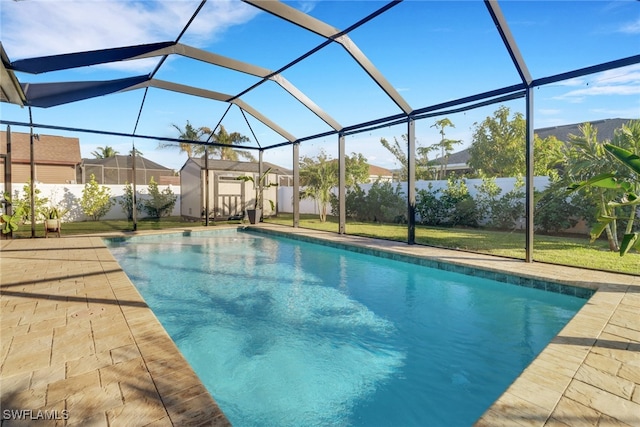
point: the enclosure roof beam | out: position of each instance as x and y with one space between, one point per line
10 89
323 29
508 40
217 96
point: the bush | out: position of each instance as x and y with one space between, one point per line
458 207
554 210
382 203
429 207
159 203
127 202
96 199
386 204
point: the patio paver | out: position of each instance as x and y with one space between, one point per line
80 344
76 336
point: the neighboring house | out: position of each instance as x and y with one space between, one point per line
119 170
55 158
458 162
228 196
379 173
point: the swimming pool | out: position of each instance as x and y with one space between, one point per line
287 333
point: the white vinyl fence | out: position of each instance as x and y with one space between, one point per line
67 197
285 194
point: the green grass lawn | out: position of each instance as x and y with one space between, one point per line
575 251
105 226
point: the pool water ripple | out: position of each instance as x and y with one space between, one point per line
287 333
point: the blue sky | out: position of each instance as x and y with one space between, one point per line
429 51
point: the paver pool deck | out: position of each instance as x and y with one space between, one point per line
78 343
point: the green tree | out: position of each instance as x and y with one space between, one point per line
498 144
421 160
547 156
318 176
356 169
96 200
445 145
189 133
159 203
203 134
229 140
104 152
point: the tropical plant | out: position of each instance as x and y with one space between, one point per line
586 159
10 222
53 212
96 200
189 133
259 187
23 204
104 152
445 145
203 134
159 203
625 182
229 139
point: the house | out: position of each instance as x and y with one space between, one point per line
118 169
379 173
227 195
458 162
55 158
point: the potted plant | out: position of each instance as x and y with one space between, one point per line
52 220
255 214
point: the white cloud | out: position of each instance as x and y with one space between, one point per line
621 82
306 6
549 111
38 28
631 27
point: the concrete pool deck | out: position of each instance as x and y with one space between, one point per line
78 342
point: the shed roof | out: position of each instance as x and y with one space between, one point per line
238 166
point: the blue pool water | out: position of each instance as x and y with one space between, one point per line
287 333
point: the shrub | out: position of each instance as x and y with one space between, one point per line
554 210
127 202
159 203
429 207
96 199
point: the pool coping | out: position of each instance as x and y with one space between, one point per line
81 347
588 374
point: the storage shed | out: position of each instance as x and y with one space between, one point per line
228 196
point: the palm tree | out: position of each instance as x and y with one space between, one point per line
104 152
189 133
204 134
229 139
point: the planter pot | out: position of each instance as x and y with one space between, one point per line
254 215
52 226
